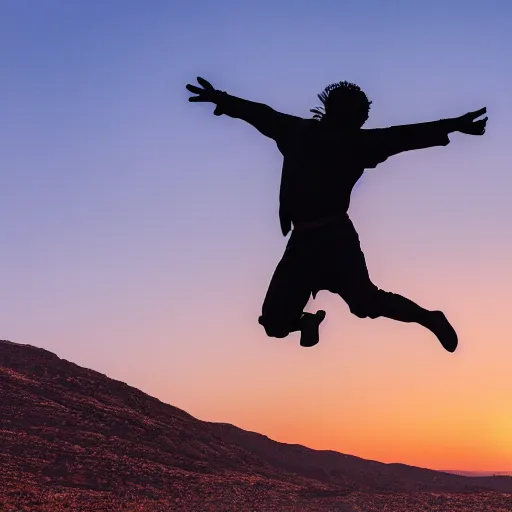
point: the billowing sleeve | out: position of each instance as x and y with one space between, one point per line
265 119
377 145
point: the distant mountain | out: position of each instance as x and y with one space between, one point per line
478 473
73 439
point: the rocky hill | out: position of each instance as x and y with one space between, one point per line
74 439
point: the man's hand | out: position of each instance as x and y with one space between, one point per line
467 124
207 94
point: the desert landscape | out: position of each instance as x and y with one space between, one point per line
74 439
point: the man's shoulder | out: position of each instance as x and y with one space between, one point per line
292 132
299 121
377 136
295 126
373 131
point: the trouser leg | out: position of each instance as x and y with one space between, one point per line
287 296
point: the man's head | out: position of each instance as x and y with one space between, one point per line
344 105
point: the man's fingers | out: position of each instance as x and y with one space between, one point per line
204 83
203 94
478 127
478 113
480 123
194 89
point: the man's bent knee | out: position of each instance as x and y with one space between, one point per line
364 311
273 328
368 305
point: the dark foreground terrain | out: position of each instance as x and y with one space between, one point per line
72 439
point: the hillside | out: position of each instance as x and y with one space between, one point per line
71 437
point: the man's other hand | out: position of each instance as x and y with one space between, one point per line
207 94
468 124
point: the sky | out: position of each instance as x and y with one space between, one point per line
139 232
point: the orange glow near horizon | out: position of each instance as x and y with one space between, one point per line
375 389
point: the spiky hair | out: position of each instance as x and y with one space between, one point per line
346 87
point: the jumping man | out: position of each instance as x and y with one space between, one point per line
324 157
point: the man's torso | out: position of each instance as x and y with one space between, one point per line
320 169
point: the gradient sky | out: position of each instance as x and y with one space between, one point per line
139 232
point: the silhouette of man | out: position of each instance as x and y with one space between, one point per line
324 157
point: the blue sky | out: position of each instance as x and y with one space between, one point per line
139 232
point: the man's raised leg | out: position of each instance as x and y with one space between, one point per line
376 303
351 280
286 298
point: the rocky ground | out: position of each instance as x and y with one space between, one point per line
72 439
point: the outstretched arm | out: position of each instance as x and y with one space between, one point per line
265 119
380 144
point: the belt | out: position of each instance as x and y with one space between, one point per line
311 224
